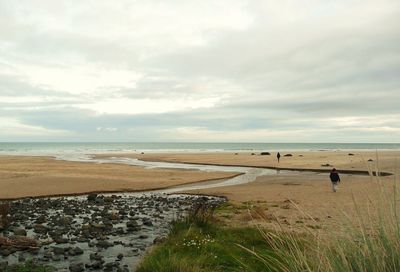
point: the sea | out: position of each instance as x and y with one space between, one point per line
54 148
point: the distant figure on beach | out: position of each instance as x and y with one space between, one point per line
335 179
278 156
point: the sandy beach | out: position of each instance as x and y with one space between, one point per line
297 199
273 196
22 176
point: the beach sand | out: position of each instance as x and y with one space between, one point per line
22 176
300 199
299 160
291 199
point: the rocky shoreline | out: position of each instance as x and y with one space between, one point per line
90 233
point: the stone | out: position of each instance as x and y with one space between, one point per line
58 250
110 266
104 244
159 239
39 228
41 219
96 256
97 264
60 240
265 153
75 251
147 222
91 197
19 231
3 265
77 267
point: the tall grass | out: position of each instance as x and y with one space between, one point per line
368 242
198 243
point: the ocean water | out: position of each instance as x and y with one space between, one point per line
54 148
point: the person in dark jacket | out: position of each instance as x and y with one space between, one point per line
278 156
335 179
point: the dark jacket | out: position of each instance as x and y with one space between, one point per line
334 177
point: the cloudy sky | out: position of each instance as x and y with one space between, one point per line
218 70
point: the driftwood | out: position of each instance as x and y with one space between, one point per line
20 242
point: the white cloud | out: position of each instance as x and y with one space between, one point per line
109 129
12 127
152 106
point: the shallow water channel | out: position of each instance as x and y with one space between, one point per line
248 174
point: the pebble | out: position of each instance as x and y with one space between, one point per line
67 228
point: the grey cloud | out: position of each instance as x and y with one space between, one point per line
267 76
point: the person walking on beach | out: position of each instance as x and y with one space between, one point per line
335 179
278 156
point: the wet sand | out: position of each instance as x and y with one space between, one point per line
22 176
386 160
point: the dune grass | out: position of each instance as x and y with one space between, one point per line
197 243
367 242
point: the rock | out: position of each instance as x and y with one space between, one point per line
351 154
288 155
5 252
114 216
3 265
97 264
108 199
41 219
60 240
99 201
75 251
132 225
326 165
143 236
39 228
370 160
21 259
91 197
120 256
110 266
78 267
159 239
104 244
265 153
47 254
147 222
19 231
96 256
56 258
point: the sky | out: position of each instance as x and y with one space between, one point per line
201 71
